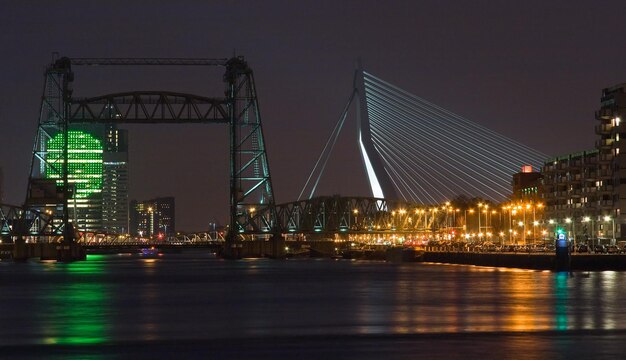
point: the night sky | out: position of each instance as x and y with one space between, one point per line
533 71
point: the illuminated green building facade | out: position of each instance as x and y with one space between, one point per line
98 176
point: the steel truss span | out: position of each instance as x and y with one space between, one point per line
326 215
18 221
145 107
49 186
148 61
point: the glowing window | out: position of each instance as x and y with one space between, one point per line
84 162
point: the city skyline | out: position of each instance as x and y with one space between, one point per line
505 73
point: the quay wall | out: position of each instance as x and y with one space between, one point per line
542 261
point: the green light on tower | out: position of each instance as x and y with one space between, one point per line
84 162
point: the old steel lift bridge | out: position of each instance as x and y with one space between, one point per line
415 154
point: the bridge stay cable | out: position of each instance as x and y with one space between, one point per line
422 143
326 151
461 161
441 129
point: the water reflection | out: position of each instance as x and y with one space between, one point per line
77 311
561 294
452 299
114 299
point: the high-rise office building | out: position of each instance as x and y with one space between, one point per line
115 181
84 175
97 173
153 218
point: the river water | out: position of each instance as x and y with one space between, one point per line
192 305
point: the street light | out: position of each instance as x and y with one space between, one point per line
609 218
479 230
589 219
471 211
573 229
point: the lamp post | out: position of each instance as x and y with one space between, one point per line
479 233
401 213
573 230
510 208
433 218
612 220
525 208
471 212
587 219
447 209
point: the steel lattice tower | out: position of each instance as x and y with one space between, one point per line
252 208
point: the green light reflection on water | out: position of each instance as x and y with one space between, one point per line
78 305
561 295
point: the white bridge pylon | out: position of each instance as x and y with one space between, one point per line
416 151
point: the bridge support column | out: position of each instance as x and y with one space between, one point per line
70 252
20 251
278 246
233 248
563 258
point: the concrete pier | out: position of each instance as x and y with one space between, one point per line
48 251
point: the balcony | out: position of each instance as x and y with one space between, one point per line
591 177
605 158
605 174
604 114
605 189
590 190
603 129
562 180
604 143
575 193
562 194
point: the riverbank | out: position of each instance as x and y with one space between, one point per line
537 261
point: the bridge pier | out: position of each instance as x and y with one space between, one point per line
48 251
70 252
278 246
232 250
20 250
273 248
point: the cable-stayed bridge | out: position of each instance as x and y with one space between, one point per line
416 154
416 151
